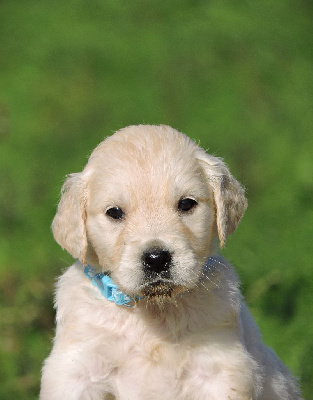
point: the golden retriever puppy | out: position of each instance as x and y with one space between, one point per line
149 312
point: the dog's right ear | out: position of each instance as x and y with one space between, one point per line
69 223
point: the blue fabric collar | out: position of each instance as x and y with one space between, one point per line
108 289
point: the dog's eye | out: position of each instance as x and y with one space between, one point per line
115 213
186 204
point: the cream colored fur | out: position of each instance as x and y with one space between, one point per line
200 342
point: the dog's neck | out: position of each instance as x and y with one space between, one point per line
111 292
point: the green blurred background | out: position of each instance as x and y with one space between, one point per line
235 74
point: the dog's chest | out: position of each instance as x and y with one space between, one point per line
137 356
150 369
136 359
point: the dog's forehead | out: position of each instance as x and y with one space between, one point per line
146 158
143 144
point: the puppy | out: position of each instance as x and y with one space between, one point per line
148 312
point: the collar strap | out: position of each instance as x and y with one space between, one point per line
108 289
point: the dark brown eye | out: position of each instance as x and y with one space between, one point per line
115 213
186 204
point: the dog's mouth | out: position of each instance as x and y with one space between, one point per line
160 288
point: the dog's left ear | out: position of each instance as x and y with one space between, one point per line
229 195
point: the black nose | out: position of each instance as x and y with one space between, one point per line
157 263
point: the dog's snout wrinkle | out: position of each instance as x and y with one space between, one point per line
157 262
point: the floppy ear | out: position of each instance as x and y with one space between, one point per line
229 195
68 226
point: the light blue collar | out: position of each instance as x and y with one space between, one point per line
108 289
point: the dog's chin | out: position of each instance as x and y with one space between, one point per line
161 292
161 298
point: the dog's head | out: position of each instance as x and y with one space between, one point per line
148 208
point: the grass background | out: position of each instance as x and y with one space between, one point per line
235 74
